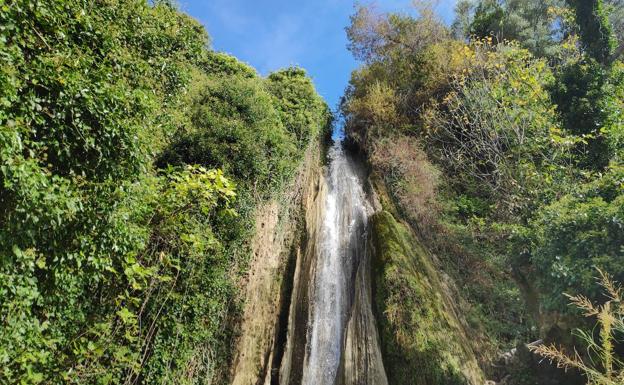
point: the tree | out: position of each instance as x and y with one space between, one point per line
577 232
584 88
615 8
530 22
488 20
583 101
300 108
373 35
464 10
595 29
533 24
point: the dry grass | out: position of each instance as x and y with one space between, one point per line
602 366
413 180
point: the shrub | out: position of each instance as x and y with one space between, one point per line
303 113
583 102
236 126
577 233
218 63
496 132
413 180
93 309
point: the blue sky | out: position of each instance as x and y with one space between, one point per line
272 34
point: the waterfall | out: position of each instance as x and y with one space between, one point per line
341 338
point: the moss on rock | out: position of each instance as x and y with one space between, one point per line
422 340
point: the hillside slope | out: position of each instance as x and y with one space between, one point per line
499 143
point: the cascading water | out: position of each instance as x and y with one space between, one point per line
341 342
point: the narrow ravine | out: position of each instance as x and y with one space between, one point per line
341 341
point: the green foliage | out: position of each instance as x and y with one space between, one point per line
588 90
463 18
86 90
496 132
303 113
218 63
595 29
488 19
615 10
235 125
255 129
374 36
576 234
422 341
155 248
112 271
613 128
76 82
603 364
537 25
582 96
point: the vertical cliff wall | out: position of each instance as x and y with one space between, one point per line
423 341
291 365
423 338
341 344
281 233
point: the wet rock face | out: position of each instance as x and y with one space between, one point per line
276 246
260 298
362 363
422 338
332 337
290 367
317 313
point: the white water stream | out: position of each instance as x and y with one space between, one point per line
337 284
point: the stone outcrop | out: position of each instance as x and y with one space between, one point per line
276 249
423 340
291 365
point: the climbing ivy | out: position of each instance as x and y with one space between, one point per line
114 269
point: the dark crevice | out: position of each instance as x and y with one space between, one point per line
285 304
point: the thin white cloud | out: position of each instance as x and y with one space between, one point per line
231 14
281 45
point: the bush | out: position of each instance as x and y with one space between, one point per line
255 129
303 113
576 234
218 63
584 103
93 309
235 126
496 132
86 92
601 363
412 179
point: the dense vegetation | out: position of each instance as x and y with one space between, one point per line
500 141
130 158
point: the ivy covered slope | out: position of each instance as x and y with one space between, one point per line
500 141
128 151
